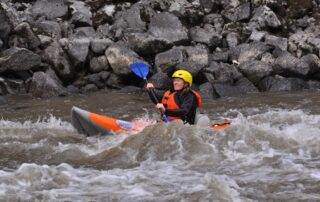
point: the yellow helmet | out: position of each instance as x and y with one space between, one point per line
183 74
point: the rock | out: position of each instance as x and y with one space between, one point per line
255 70
219 56
167 26
5 24
114 81
166 61
275 41
206 91
161 80
279 83
288 65
257 35
216 20
297 8
232 39
81 14
98 64
1 43
44 86
99 46
3 100
263 18
239 13
55 56
78 49
208 37
145 44
52 9
247 52
18 59
89 88
49 28
24 31
120 57
222 73
95 79
314 84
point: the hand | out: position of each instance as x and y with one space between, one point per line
161 107
149 86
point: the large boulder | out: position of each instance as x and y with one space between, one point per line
98 64
51 9
206 35
279 83
44 85
264 18
5 25
55 55
24 31
81 14
239 13
49 28
222 73
120 57
255 70
146 44
18 59
168 26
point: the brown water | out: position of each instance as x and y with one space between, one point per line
270 152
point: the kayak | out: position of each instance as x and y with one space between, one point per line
92 124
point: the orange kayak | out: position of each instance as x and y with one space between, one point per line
91 124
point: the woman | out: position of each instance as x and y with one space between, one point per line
180 102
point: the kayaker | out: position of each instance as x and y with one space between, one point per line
180 102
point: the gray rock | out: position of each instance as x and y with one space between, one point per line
232 39
49 28
120 57
239 13
99 46
44 86
167 26
168 60
264 17
81 14
95 79
222 73
314 84
257 35
255 70
275 41
98 64
18 59
287 65
5 24
161 80
216 20
247 52
207 5
78 49
55 56
279 83
144 43
50 8
114 81
208 37
3 100
24 31
89 88
1 43
206 91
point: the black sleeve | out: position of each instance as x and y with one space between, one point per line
186 102
159 97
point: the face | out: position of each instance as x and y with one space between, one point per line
178 84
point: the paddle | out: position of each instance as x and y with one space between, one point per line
141 70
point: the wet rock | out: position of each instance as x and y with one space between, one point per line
263 18
275 41
120 57
255 70
145 44
99 46
279 83
81 14
222 73
89 88
44 86
114 81
51 9
3 100
24 31
55 55
98 64
239 13
247 52
168 26
49 28
95 79
166 61
205 36
18 59
206 91
288 65
1 43
314 84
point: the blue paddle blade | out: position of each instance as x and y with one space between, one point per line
140 69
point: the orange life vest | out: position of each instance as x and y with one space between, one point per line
169 103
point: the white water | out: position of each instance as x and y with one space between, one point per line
268 155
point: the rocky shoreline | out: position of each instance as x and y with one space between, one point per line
232 47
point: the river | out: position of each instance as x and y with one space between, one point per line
271 152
